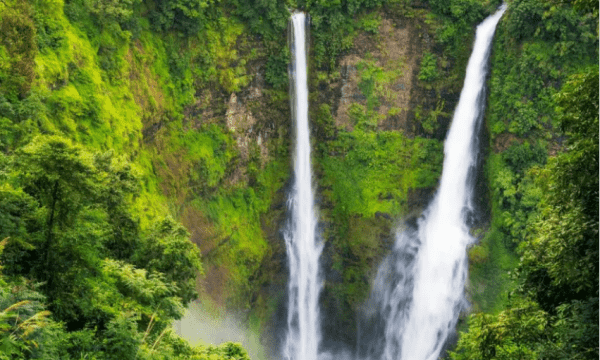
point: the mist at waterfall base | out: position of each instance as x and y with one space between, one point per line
418 292
204 325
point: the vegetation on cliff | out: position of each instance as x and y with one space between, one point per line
95 101
80 276
118 116
137 96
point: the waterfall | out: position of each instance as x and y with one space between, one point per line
303 249
419 289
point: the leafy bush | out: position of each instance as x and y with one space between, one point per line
167 250
478 254
269 18
185 16
324 124
524 18
50 31
428 71
27 330
277 69
371 22
516 333
106 11
333 27
523 156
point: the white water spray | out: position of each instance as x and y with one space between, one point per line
303 249
419 290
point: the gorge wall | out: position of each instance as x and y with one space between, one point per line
197 101
216 141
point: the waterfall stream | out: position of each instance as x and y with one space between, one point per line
303 249
419 290
418 293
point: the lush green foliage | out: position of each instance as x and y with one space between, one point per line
517 333
374 85
453 23
428 70
365 179
369 167
111 289
268 17
531 71
186 16
567 228
114 274
334 28
91 269
108 74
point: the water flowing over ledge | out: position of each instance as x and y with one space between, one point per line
303 249
419 290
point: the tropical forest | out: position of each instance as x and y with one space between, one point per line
299 179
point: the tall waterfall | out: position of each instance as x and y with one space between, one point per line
303 249
419 289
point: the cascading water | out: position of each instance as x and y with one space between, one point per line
303 249
419 289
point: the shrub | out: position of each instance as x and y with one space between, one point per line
428 72
186 16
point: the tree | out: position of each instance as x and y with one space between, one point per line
61 178
74 211
186 16
167 250
518 332
118 186
560 262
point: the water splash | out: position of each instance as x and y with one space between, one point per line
303 249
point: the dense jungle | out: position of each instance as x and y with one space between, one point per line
146 162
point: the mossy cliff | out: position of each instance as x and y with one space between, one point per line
185 106
379 120
198 102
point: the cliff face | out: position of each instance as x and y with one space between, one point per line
377 124
197 101
397 50
203 113
225 190
376 162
